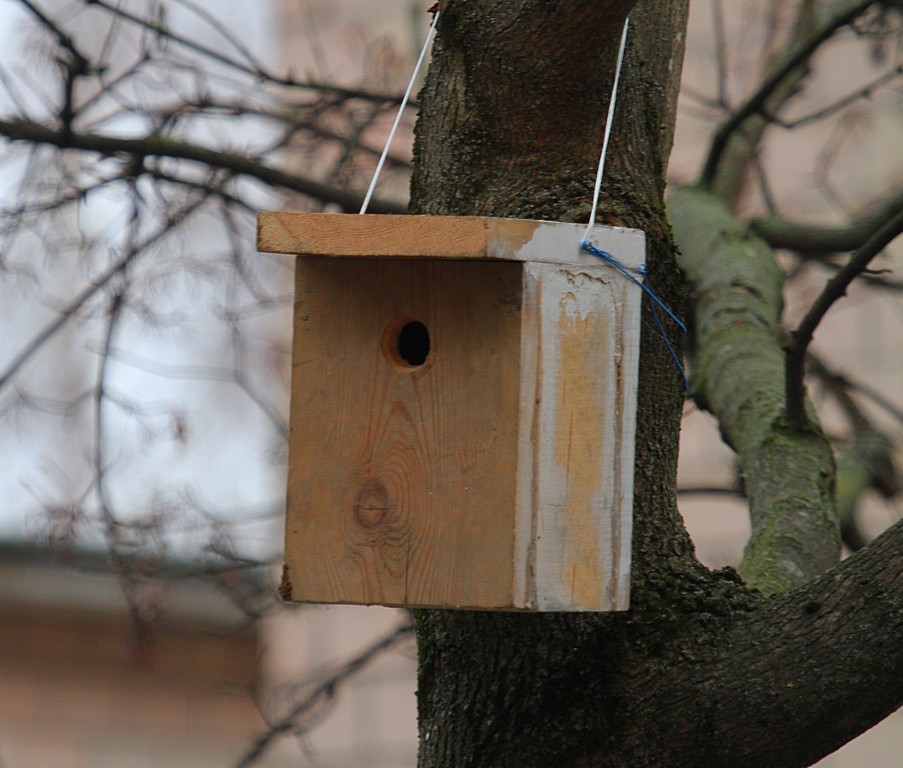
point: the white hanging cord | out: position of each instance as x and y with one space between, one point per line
637 276
608 122
404 103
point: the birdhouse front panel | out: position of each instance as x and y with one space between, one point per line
463 412
404 431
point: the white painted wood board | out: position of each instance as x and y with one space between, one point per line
576 441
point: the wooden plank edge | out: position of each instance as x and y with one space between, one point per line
372 235
456 607
442 237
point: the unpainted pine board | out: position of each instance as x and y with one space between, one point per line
402 482
442 237
530 397
578 459
372 235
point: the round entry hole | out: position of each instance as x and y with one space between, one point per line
406 343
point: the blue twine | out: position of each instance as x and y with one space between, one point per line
587 246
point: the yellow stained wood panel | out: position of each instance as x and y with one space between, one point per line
581 466
402 477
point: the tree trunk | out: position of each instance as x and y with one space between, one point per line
700 672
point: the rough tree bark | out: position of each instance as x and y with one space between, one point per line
702 671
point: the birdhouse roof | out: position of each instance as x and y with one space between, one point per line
443 237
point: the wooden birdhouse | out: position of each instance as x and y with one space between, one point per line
463 412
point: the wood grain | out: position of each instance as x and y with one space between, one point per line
401 482
578 457
440 237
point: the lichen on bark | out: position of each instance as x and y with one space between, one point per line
738 374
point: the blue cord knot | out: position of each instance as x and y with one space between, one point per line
587 246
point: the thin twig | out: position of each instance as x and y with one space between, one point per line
795 350
21 129
91 290
813 239
755 104
255 69
826 111
64 39
324 691
721 54
838 379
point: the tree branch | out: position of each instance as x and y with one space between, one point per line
865 459
804 663
322 693
846 13
254 68
841 103
741 149
738 372
96 285
21 129
837 380
813 239
836 287
62 37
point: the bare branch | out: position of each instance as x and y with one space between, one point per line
721 54
837 379
801 52
814 239
741 153
254 68
38 341
865 460
324 691
862 93
738 374
64 39
21 129
112 527
795 349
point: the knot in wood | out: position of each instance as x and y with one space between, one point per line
371 507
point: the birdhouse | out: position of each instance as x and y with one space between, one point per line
462 412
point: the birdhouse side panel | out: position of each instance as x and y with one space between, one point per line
402 472
583 322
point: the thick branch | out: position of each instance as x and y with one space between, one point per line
738 370
159 146
726 679
787 680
